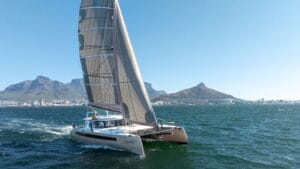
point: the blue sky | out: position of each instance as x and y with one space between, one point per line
249 48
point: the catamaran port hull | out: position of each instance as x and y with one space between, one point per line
130 143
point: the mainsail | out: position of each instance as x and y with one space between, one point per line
111 74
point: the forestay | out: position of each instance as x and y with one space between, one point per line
111 74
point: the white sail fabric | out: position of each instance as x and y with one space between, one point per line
111 73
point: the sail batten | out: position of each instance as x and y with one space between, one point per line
110 107
95 29
111 74
95 56
96 7
101 84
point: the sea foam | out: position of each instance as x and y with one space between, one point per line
29 125
105 147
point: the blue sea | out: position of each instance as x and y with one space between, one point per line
231 136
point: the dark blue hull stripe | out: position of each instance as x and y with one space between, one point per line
97 136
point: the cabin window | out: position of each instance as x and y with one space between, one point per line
106 124
98 124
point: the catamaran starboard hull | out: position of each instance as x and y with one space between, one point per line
171 134
177 136
130 143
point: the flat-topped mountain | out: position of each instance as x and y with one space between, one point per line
199 94
47 89
44 88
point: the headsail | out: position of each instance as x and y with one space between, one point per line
111 74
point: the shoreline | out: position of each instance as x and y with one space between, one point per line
166 105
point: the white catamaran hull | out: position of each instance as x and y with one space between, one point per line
130 143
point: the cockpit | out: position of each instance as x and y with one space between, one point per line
106 124
93 120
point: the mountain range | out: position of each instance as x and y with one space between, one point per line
44 88
47 89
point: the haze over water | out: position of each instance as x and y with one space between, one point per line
235 136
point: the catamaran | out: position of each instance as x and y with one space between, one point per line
121 114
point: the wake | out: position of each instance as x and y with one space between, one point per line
31 125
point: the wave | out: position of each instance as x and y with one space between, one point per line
246 161
31 125
62 130
105 147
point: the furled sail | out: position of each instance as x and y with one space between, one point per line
111 74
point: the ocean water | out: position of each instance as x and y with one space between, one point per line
235 136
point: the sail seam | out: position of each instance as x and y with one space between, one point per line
95 28
96 56
96 7
83 47
101 84
106 77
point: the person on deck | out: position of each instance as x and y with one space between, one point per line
94 117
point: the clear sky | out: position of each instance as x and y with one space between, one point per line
247 48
